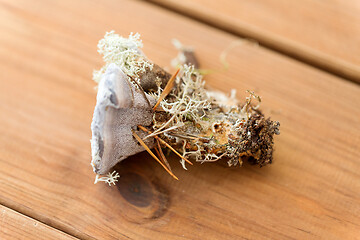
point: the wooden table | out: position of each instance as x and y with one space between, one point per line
306 68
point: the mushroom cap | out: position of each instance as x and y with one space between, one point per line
120 107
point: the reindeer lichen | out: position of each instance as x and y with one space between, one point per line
208 126
124 52
110 178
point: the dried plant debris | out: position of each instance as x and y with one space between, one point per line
186 55
141 107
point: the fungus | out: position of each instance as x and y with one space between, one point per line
140 106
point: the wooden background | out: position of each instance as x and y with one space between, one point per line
306 69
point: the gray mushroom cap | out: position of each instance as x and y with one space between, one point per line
119 108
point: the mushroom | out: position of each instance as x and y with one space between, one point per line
120 107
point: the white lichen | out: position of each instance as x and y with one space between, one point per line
204 119
124 52
110 178
191 99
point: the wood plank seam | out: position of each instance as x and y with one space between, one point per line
307 191
32 215
301 53
27 217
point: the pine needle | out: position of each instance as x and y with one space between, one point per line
166 144
166 130
161 154
167 89
152 154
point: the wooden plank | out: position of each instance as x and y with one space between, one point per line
14 225
47 54
322 33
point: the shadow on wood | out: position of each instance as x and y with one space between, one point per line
146 190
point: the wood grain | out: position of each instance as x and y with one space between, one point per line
47 54
14 225
322 33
